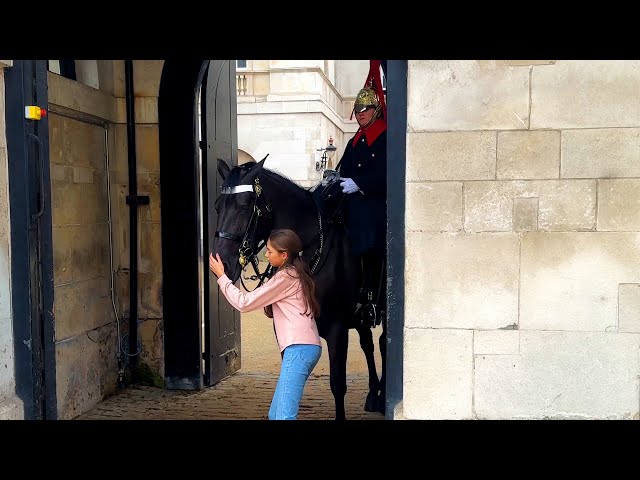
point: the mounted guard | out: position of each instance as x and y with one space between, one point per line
363 170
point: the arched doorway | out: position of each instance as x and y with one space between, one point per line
244 157
187 211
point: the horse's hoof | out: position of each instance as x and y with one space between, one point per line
371 403
380 405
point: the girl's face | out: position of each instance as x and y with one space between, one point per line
276 258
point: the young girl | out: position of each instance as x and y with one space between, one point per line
288 298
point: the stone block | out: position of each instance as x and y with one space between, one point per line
586 94
438 374
526 155
451 156
434 206
461 280
467 95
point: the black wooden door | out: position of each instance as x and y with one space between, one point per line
219 112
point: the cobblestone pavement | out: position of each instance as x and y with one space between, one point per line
241 397
247 393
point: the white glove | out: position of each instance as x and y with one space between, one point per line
349 186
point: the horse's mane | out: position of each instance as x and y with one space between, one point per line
284 181
281 180
328 198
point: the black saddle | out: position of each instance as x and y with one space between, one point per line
329 196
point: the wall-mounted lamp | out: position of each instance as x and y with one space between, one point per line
327 154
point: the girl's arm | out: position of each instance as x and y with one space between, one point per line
274 290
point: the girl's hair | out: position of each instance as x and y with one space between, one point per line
285 240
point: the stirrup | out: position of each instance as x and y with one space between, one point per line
368 315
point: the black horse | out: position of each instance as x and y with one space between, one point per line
255 200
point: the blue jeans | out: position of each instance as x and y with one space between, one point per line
297 363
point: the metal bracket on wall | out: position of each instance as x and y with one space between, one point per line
137 200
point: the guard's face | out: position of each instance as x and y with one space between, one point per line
365 117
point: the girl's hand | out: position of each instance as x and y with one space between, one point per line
216 266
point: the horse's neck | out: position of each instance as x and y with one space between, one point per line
293 208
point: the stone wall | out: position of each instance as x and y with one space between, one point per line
87 131
523 240
291 108
85 327
146 82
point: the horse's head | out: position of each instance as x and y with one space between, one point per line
242 216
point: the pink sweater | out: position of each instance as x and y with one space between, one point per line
284 293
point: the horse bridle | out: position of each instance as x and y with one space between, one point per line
249 247
247 252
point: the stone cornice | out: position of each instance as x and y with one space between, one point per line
70 96
296 70
292 105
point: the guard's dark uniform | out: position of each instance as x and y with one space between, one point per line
365 162
366 212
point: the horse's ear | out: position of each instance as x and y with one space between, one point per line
261 162
223 168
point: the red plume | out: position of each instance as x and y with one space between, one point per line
376 82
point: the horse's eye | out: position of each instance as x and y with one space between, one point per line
243 206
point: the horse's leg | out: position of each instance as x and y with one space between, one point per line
366 343
337 344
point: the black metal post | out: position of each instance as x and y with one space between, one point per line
396 186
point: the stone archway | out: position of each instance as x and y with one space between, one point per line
244 157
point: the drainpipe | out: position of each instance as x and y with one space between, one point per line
133 200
